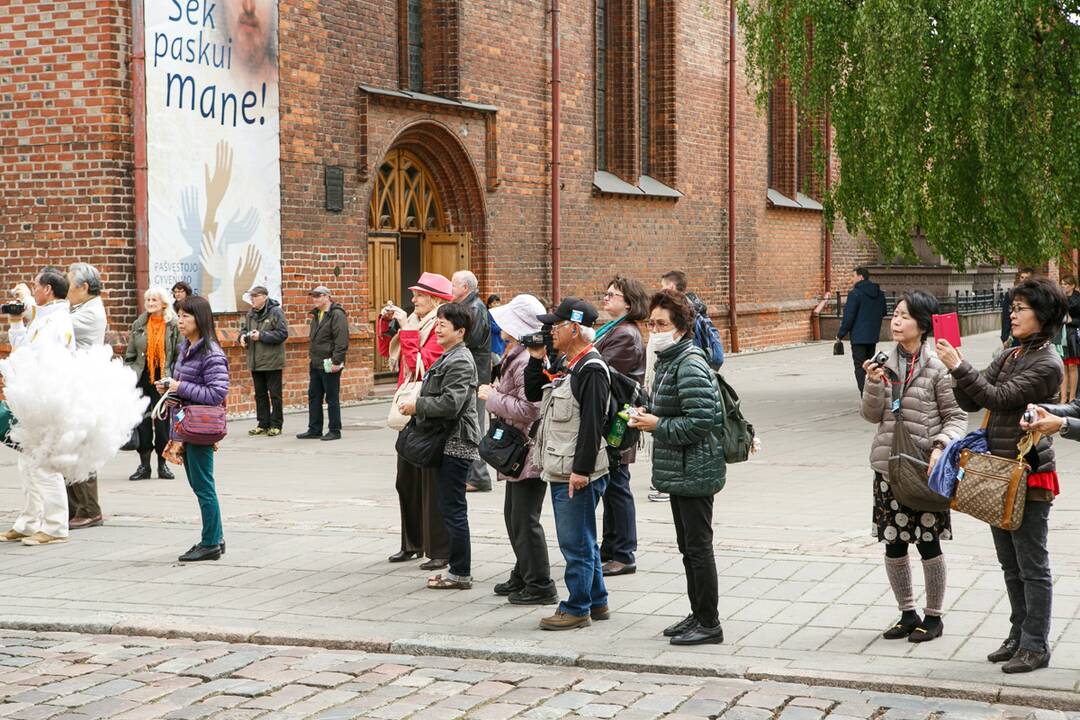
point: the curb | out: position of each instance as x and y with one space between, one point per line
493 650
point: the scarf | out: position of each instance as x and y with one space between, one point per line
414 322
155 347
607 327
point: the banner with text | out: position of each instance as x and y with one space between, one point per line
212 147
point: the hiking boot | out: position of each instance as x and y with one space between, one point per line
564 621
163 470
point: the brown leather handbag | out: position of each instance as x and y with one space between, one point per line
994 489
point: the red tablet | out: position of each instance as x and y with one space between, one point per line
947 327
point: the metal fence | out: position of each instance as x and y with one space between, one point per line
968 302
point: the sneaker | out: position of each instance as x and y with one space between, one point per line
201 552
40 538
1025 661
273 432
659 497
257 431
564 621
12 535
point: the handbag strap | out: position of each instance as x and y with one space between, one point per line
419 369
157 413
1026 442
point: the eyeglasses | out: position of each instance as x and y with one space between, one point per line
1017 308
658 325
556 326
612 294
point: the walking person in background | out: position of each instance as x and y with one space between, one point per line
328 344
151 350
180 291
530 580
864 308
914 377
448 395
498 345
619 342
685 421
478 341
201 377
89 323
264 334
1072 339
1022 274
406 339
1027 374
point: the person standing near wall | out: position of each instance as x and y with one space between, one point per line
264 335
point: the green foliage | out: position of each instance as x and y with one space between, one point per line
957 117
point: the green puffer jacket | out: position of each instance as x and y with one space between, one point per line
688 458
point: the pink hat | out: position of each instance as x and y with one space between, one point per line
434 285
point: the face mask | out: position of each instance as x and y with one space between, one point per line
661 341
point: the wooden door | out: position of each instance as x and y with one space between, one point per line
384 283
446 253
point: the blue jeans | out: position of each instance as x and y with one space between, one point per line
620 518
1026 565
323 384
575 526
199 466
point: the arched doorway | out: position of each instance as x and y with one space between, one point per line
408 234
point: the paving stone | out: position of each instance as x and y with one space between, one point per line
747 713
497 711
795 712
600 710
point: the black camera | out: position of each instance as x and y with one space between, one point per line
535 340
15 308
881 358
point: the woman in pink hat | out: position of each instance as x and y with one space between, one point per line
406 339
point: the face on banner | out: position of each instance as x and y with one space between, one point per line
212 147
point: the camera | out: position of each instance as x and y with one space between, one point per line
535 340
15 308
881 358
165 383
1031 415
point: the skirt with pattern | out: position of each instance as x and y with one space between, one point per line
897 523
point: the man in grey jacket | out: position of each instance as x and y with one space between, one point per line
478 340
89 322
264 335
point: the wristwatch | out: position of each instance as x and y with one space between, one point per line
1064 432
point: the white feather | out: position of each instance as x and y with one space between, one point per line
73 412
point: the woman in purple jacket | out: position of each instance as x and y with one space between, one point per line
530 581
200 377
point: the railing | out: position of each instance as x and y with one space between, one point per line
968 302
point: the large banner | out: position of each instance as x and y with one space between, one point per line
212 147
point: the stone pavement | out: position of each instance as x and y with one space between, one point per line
67 676
309 525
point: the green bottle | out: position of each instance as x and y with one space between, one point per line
618 427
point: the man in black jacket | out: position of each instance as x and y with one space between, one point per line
329 338
478 340
863 310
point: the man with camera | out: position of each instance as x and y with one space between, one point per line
264 334
572 454
44 518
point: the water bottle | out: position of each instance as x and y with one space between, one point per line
618 427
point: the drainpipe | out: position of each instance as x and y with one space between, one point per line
828 186
733 319
138 99
556 119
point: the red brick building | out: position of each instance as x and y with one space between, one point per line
439 112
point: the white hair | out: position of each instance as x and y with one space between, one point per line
466 278
588 334
86 274
166 301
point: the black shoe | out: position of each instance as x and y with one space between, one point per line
508 587
1006 651
404 555
201 552
331 435
525 597
680 627
1025 661
309 435
700 635
222 546
903 627
141 473
434 564
163 470
926 631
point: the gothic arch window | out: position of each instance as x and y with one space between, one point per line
404 198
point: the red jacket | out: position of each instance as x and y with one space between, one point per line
410 343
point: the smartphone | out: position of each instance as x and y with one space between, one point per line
947 327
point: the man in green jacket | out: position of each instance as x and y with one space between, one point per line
264 335
329 338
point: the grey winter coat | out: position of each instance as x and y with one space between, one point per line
507 402
928 406
448 392
269 352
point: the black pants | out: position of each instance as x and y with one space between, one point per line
422 528
860 353
694 534
1026 564
83 499
521 511
620 518
268 398
153 434
323 385
455 512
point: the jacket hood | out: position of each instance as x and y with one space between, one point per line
270 304
315 311
868 288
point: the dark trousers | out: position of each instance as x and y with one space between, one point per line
83 499
268 398
422 528
521 511
479 472
153 434
199 466
1026 564
451 476
323 385
694 534
620 518
860 353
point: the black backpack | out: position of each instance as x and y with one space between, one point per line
624 390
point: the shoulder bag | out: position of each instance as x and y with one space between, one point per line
190 423
505 448
909 480
408 392
994 489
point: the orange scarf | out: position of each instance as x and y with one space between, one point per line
155 347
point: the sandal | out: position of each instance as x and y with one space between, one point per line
443 583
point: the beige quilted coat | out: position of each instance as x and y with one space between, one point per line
928 407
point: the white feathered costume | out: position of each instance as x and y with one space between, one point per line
73 411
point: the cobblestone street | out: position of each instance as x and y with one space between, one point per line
67 676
